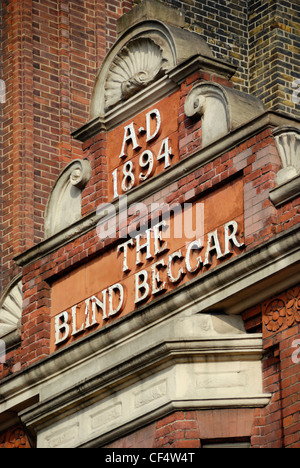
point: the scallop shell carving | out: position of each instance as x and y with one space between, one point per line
11 309
138 64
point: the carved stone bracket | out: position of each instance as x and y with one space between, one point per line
221 109
288 178
288 144
152 56
64 204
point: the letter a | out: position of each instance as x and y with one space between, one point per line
129 135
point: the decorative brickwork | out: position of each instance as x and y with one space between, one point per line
258 151
58 49
224 25
274 53
278 424
14 439
282 312
50 53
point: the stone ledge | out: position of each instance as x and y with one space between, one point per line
217 369
153 93
285 192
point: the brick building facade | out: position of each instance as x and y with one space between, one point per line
125 334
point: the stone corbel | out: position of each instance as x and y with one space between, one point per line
202 361
64 204
220 109
288 178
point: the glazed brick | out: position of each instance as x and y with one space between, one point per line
251 32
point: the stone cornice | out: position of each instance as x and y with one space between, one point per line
286 191
288 178
166 357
163 335
276 261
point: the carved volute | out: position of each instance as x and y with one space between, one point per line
64 204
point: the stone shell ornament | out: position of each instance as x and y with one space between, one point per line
144 64
11 308
138 64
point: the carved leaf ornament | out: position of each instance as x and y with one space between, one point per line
293 306
275 315
221 109
280 314
288 145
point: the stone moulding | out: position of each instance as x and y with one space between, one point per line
64 204
151 9
288 144
150 94
276 261
184 363
286 192
182 327
142 55
221 109
287 139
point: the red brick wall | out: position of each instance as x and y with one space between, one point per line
191 429
278 425
51 52
54 65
